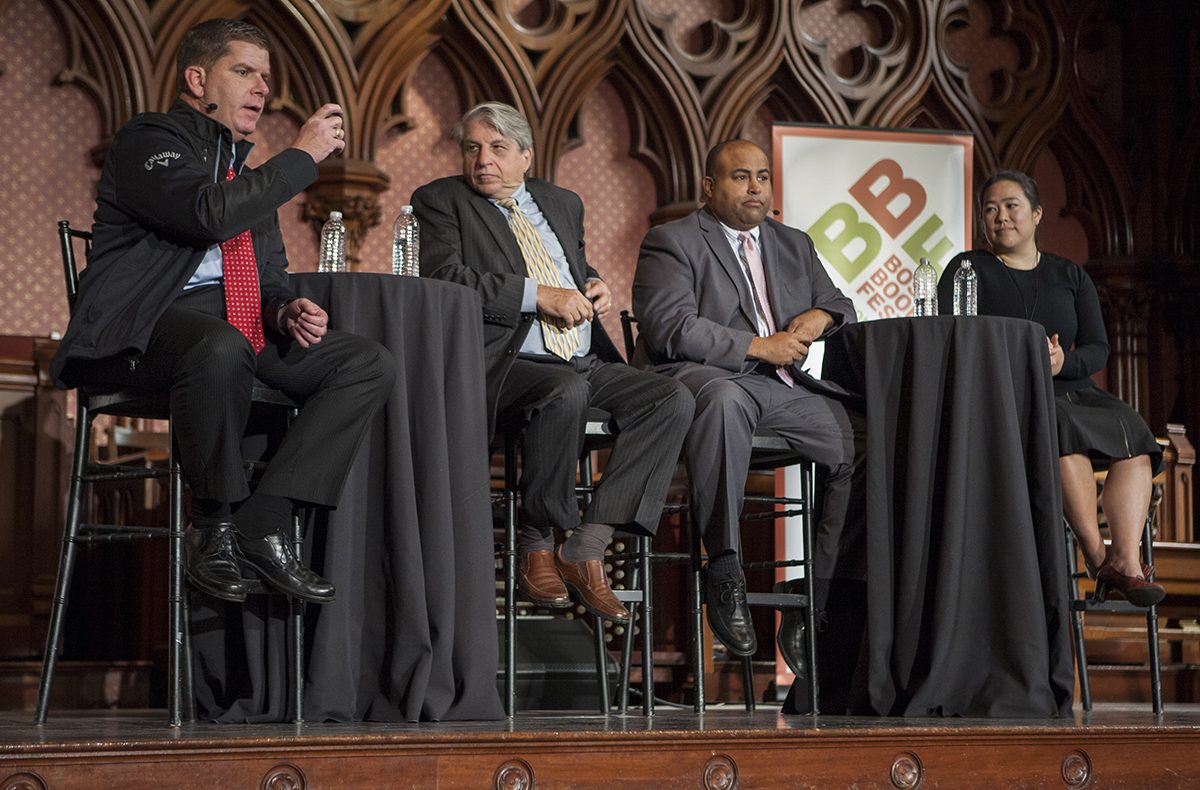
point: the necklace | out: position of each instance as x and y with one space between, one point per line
1027 307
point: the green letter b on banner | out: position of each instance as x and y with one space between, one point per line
853 238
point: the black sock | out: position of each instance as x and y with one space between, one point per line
262 514
724 567
587 542
206 512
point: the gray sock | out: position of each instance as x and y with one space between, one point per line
587 542
531 538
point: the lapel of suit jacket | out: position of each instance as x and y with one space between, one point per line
563 225
718 242
768 243
494 220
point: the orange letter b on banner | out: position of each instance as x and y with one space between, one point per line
879 205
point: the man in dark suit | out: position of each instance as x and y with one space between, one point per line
519 242
729 304
186 291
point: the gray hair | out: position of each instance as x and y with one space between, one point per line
505 119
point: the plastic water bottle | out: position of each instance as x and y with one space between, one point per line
966 290
333 244
925 289
406 244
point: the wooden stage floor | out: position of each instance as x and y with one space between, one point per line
1114 746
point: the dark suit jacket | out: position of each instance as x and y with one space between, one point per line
162 201
466 239
695 312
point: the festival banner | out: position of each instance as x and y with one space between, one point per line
875 202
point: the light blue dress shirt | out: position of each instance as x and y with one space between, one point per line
534 343
211 270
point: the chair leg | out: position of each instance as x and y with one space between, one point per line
1155 667
510 575
627 642
810 614
1152 623
189 694
640 579
296 611
1085 688
647 626
175 673
748 683
601 663
697 596
66 563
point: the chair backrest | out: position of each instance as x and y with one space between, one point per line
67 237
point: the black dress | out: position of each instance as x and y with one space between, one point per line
1060 296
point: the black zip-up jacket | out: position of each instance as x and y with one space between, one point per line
162 202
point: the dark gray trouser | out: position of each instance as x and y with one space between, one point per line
819 428
551 399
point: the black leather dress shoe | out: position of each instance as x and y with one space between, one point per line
212 560
273 559
729 615
791 636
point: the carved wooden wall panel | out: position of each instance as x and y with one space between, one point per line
1106 88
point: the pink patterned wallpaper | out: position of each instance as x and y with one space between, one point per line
415 157
44 168
618 197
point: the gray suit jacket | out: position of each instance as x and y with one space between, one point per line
695 312
466 240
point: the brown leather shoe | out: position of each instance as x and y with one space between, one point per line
538 579
590 585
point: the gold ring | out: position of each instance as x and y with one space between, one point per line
338 133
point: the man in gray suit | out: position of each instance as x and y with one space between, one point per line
519 242
729 304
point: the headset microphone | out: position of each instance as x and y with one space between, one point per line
210 107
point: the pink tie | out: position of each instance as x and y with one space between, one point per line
753 262
243 306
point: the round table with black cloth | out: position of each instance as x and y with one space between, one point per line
967 577
412 635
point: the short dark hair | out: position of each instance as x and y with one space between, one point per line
208 42
710 161
1027 185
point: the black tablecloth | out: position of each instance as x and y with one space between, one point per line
412 634
967 580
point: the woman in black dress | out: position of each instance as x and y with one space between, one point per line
1017 279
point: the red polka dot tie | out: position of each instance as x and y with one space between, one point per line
243 306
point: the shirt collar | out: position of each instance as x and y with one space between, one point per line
520 194
732 234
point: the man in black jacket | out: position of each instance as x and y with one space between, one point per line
186 291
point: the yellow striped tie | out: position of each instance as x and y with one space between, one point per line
561 340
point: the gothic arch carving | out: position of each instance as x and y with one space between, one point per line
110 51
1023 100
389 50
877 71
1097 189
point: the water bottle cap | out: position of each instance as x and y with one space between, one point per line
335 215
406 209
